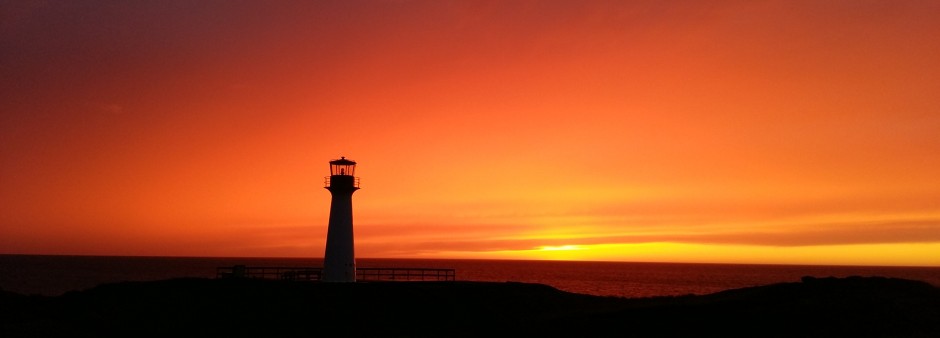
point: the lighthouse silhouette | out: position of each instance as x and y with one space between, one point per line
339 262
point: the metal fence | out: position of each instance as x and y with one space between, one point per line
405 274
314 274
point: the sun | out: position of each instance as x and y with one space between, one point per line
560 248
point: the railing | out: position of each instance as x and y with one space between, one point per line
268 272
326 182
314 274
405 274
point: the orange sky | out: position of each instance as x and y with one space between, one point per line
789 131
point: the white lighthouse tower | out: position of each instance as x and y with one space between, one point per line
339 262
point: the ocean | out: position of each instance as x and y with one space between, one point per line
55 275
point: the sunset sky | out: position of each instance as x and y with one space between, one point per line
782 132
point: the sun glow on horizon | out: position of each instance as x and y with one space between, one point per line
849 255
560 248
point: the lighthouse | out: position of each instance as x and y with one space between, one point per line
339 262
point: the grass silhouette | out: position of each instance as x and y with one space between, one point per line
813 307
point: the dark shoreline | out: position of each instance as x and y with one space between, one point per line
814 307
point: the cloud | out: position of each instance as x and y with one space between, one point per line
413 239
896 231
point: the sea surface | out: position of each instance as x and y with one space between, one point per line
55 275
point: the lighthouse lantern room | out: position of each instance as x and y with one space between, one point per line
342 167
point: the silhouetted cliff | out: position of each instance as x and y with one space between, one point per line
815 307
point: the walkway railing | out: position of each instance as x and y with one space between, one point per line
405 274
313 274
268 272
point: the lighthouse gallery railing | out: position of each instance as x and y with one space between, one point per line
326 181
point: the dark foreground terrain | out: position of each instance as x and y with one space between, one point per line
815 307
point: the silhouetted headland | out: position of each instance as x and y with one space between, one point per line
813 307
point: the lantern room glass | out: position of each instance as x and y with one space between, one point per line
342 167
